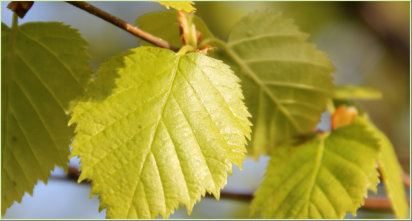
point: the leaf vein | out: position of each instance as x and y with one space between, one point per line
40 117
180 166
250 61
259 37
197 142
296 86
26 137
56 56
41 80
174 73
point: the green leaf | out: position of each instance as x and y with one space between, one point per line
391 172
186 6
167 133
322 178
286 80
356 92
165 26
44 67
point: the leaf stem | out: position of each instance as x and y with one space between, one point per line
123 25
15 21
185 49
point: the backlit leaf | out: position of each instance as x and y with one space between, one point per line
186 6
391 172
285 79
322 178
44 66
167 132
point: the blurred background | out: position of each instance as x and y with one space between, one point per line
368 42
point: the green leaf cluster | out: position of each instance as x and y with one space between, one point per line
156 130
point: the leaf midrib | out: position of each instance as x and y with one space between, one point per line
46 48
318 162
154 135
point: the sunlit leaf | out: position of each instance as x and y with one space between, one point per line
186 6
44 66
322 178
391 172
167 132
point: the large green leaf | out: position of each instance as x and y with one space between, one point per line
44 66
391 172
322 178
286 80
186 6
165 134
166 26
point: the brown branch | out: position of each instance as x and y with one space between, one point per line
20 7
406 179
376 203
123 25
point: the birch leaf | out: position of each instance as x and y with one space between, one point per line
44 67
167 132
285 79
391 172
323 178
186 6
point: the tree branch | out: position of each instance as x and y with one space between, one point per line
123 25
406 179
376 203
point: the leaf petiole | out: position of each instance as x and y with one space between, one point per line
185 49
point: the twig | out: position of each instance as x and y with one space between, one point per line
406 179
370 203
123 25
376 203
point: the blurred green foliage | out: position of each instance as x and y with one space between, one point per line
368 42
